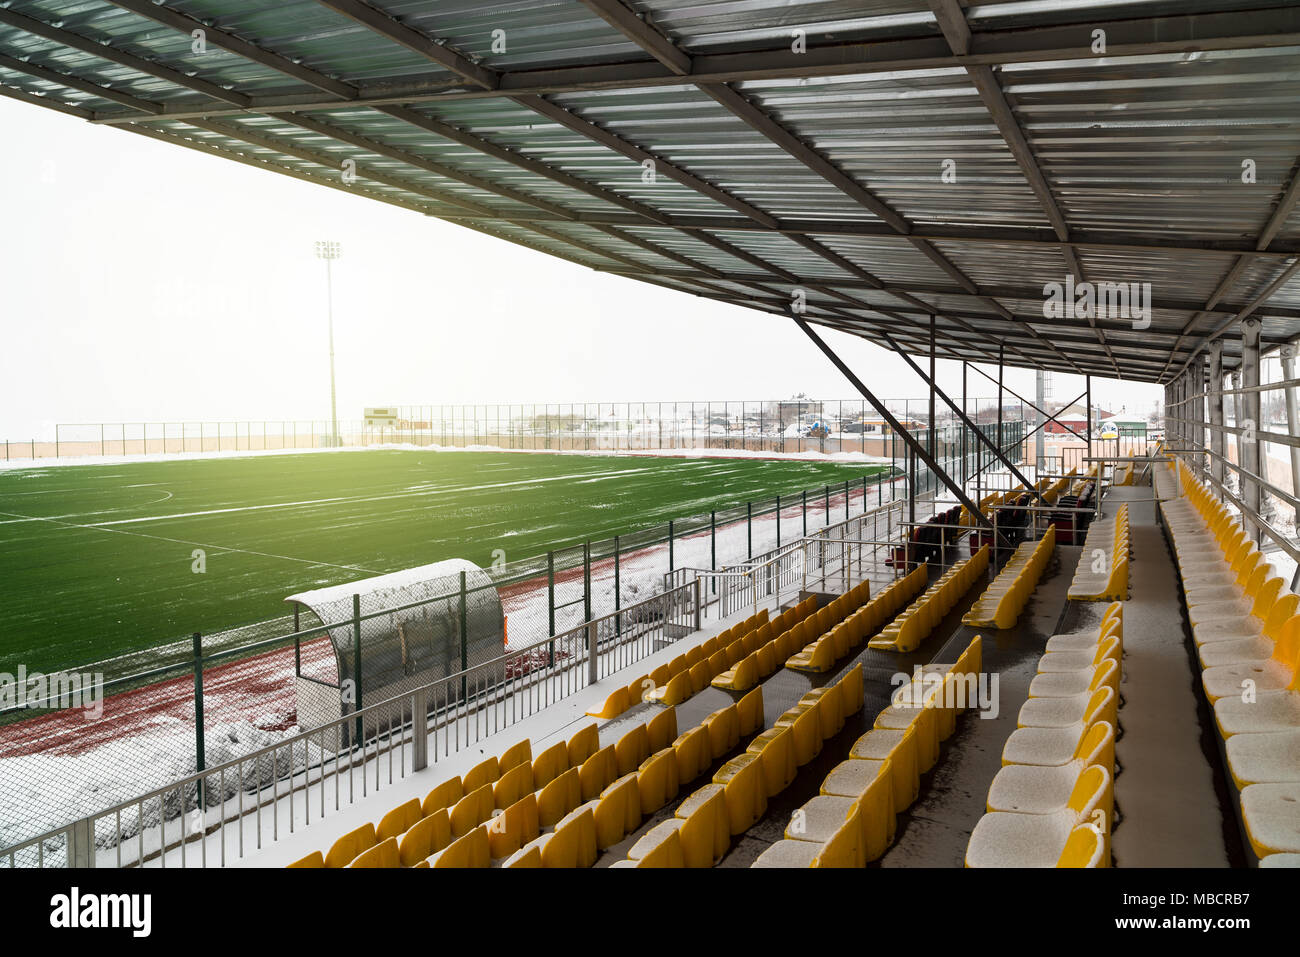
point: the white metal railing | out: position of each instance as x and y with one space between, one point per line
845 548
223 812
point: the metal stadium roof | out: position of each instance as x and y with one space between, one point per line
892 159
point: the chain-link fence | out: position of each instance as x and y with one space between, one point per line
789 426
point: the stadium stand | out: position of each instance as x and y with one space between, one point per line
1247 633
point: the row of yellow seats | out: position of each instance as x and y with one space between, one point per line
1006 597
700 833
692 670
1247 634
456 807
1052 804
853 819
586 829
1102 572
913 626
765 652
821 650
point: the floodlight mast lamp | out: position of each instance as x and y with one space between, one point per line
329 250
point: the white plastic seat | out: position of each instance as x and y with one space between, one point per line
1006 839
1029 789
1266 758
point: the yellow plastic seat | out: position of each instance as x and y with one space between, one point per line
515 755
677 690
471 811
346 849
694 753
749 712
1002 839
724 730
513 827
1085 847
705 833
899 749
775 748
513 785
583 745
399 820
445 795
657 782
618 701
383 854
610 816
425 836
1270 815
871 784
559 797
805 726
313 860
661 730
745 793
575 836
530 856
660 846
632 748
550 764
469 850
597 772
485 772
625 794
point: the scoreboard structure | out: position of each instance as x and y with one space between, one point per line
381 418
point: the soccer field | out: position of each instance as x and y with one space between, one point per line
97 560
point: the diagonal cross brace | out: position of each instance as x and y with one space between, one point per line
993 446
908 439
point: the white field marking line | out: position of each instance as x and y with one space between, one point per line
356 499
106 511
205 545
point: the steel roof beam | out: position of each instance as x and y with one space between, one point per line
1277 26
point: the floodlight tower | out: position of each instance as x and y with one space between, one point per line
329 250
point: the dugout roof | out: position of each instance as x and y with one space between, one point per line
774 167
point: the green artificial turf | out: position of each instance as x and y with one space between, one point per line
96 560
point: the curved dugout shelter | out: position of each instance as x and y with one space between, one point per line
416 626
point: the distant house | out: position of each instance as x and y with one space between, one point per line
1075 417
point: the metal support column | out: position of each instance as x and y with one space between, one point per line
1287 354
1249 443
1215 401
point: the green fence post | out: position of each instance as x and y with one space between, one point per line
586 580
464 637
356 665
713 548
749 529
826 493
199 750
550 602
778 521
805 513
618 621
670 544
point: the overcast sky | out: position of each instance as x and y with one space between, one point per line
148 282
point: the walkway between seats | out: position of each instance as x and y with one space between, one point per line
1171 794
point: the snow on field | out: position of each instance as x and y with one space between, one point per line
73 769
